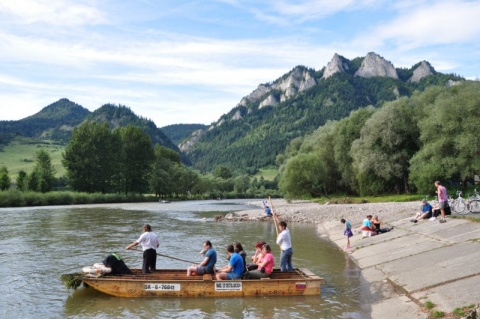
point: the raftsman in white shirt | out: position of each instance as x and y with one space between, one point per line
284 239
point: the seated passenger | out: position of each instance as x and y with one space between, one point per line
427 212
239 250
208 264
265 266
257 256
235 267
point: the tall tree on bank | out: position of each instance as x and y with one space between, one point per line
45 171
346 131
4 178
137 159
22 180
387 142
449 137
161 180
92 158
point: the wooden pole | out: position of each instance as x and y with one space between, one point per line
274 215
187 261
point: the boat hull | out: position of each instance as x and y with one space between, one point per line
175 283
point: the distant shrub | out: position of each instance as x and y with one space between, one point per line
11 198
59 198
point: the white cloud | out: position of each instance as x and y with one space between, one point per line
52 12
432 23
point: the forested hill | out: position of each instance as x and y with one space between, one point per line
259 128
120 116
55 121
178 132
58 120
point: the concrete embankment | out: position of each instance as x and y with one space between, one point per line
411 265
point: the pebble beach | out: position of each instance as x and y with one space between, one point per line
309 212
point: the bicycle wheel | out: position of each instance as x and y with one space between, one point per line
460 207
474 206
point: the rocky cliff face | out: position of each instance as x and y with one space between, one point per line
421 71
375 65
299 79
337 64
191 140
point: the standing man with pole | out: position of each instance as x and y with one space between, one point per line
149 243
285 242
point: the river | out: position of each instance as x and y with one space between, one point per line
38 244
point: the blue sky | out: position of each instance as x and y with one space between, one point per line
185 61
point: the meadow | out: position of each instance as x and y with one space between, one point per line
20 154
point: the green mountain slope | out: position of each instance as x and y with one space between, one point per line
253 133
178 132
120 116
55 121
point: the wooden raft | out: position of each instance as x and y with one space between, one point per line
175 283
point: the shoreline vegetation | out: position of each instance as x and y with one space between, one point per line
16 198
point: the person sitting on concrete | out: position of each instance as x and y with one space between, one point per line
427 212
367 228
377 223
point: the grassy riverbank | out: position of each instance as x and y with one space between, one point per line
339 199
16 198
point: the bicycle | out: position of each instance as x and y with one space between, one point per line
474 202
460 204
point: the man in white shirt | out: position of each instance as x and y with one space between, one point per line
285 242
149 243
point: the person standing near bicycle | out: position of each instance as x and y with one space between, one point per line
442 200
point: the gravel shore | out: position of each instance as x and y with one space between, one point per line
308 212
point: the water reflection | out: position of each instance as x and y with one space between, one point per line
40 244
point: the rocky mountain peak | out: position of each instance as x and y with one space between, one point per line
336 65
297 80
375 65
421 71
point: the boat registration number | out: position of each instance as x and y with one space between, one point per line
162 287
228 286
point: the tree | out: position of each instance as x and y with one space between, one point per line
45 171
4 178
223 172
346 131
137 158
162 181
92 158
303 176
241 184
32 181
387 142
22 180
449 137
